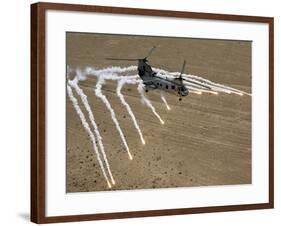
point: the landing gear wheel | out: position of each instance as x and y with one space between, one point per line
146 90
180 99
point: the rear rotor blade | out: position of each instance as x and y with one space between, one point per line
182 69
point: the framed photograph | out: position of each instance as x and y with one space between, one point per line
140 112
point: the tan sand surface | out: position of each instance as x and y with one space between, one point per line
206 139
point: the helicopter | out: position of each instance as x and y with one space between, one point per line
152 81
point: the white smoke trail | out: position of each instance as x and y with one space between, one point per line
84 99
165 102
113 73
217 86
148 103
123 101
200 91
111 70
99 94
194 78
213 87
87 128
196 92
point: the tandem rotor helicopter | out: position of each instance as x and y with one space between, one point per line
152 81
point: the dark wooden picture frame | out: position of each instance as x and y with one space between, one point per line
38 25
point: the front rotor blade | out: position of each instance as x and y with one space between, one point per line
151 50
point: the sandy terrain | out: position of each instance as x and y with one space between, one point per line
206 139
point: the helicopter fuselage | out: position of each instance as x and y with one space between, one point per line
152 81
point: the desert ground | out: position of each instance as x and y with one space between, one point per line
206 139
